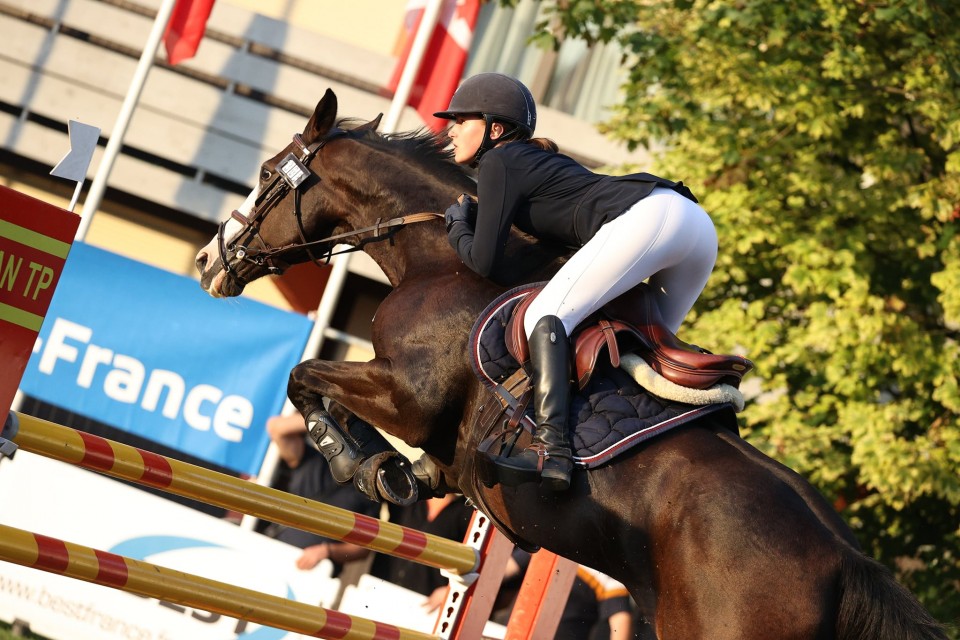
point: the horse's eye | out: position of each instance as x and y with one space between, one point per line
264 174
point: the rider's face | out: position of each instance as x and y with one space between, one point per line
466 134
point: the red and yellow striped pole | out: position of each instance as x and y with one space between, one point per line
108 569
184 479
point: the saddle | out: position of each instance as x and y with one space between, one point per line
632 322
614 409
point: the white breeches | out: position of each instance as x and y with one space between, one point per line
664 237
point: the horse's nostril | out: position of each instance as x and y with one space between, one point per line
201 262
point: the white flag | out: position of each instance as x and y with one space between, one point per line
83 142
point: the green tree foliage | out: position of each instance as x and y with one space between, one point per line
824 138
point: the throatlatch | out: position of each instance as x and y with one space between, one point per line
363 455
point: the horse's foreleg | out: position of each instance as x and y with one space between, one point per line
368 390
353 448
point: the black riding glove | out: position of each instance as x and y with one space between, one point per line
464 210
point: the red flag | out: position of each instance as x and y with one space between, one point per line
443 60
185 29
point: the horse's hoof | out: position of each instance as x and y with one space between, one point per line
397 485
431 482
387 476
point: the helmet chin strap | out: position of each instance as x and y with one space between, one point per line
486 144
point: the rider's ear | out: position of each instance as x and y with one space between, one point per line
496 130
323 118
372 125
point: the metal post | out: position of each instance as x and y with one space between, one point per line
99 184
431 13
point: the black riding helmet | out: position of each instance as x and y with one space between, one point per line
498 98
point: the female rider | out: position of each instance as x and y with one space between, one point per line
624 229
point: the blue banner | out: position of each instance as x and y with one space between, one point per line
147 351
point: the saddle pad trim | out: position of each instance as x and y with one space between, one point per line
489 314
646 433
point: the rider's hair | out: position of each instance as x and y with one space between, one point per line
545 144
514 133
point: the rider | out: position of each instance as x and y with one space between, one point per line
624 229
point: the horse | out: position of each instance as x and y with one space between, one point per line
712 538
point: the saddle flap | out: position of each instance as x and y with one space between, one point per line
592 340
515 337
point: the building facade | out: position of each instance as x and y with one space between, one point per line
202 128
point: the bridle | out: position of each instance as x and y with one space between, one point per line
291 173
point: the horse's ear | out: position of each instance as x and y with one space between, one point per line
372 125
323 117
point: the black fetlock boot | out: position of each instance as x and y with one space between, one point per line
341 450
549 370
363 455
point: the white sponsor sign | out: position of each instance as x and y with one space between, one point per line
62 501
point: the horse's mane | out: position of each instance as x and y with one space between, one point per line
526 259
422 145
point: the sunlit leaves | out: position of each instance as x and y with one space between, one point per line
824 138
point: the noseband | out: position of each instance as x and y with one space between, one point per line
292 172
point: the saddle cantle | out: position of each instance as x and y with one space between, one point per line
634 319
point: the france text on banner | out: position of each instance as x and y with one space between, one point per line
35 238
146 351
444 59
185 29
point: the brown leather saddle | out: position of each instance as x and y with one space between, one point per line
633 322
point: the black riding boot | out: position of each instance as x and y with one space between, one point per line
549 370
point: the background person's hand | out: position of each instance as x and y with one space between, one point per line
312 556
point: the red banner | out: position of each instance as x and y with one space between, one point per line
185 30
35 238
444 60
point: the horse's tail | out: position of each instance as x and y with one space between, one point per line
874 606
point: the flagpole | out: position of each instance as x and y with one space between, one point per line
431 14
99 184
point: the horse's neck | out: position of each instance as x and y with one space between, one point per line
411 251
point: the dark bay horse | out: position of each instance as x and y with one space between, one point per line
712 538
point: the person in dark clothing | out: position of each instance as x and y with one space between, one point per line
305 474
623 229
447 517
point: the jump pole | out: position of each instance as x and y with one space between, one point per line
472 592
118 572
181 478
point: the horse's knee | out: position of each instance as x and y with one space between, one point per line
297 382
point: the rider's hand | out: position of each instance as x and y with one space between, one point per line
465 210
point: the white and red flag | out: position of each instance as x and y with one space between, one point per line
185 29
444 59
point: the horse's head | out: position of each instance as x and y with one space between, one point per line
339 182
293 204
